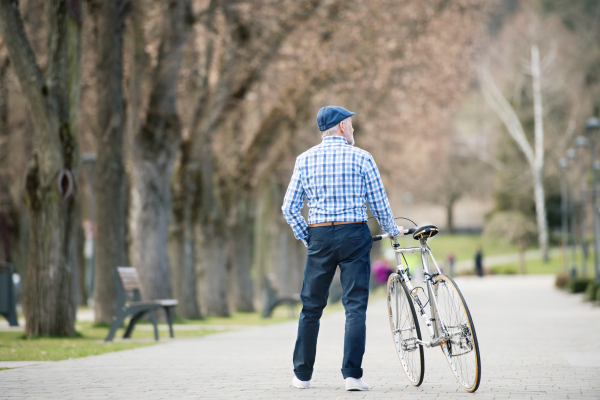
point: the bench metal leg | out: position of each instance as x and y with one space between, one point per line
277 302
169 312
116 324
134 320
153 318
11 317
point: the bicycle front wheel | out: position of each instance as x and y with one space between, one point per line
405 329
455 324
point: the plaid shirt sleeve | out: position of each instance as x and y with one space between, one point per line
292 206
378 200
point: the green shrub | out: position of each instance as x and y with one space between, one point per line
591 291
578 285
561 281
598 293
504 270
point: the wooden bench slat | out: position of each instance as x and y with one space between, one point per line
129 278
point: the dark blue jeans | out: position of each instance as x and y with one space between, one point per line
348 246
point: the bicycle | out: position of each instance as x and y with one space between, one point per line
450 327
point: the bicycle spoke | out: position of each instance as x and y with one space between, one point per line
461 348
405 331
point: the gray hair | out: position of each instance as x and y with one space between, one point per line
333 130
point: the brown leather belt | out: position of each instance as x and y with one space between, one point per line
335 223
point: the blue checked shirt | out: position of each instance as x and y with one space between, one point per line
336 179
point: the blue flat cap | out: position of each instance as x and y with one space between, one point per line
330 116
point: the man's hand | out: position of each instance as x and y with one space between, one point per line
402 230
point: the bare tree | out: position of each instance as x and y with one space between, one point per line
327 47
8 210
153 157
50 300
246 53
255 164
110 171
535 155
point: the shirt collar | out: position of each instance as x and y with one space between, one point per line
334 139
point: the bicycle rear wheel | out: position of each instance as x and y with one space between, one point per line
405 330
461 349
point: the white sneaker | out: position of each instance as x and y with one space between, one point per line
356 384
300 384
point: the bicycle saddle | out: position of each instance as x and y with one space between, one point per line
425 232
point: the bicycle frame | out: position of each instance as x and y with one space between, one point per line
452 334
435 327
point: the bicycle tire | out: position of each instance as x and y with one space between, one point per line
405 329
462 350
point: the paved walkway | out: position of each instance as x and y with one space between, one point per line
536 342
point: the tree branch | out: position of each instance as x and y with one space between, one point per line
502 108
21 53
537 107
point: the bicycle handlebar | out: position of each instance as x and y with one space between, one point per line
385 235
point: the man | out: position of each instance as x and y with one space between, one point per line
336 179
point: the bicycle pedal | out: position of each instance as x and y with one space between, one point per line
409 344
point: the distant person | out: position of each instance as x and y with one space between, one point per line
336 179
382 270
479 262
451 263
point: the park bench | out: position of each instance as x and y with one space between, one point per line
272 298
7 296
129 303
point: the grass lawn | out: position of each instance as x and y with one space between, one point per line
464 246
14 346
539 267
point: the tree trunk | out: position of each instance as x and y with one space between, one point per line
261 243
538 166
240 259
149 223
183 238
288 254
211 256
183 259
155 148
212 271
82 294
110 170
296 260
8 211
138 71
50 300
540 211
281 263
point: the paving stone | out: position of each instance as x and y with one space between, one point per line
536 343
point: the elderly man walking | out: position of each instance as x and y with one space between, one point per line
336 179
